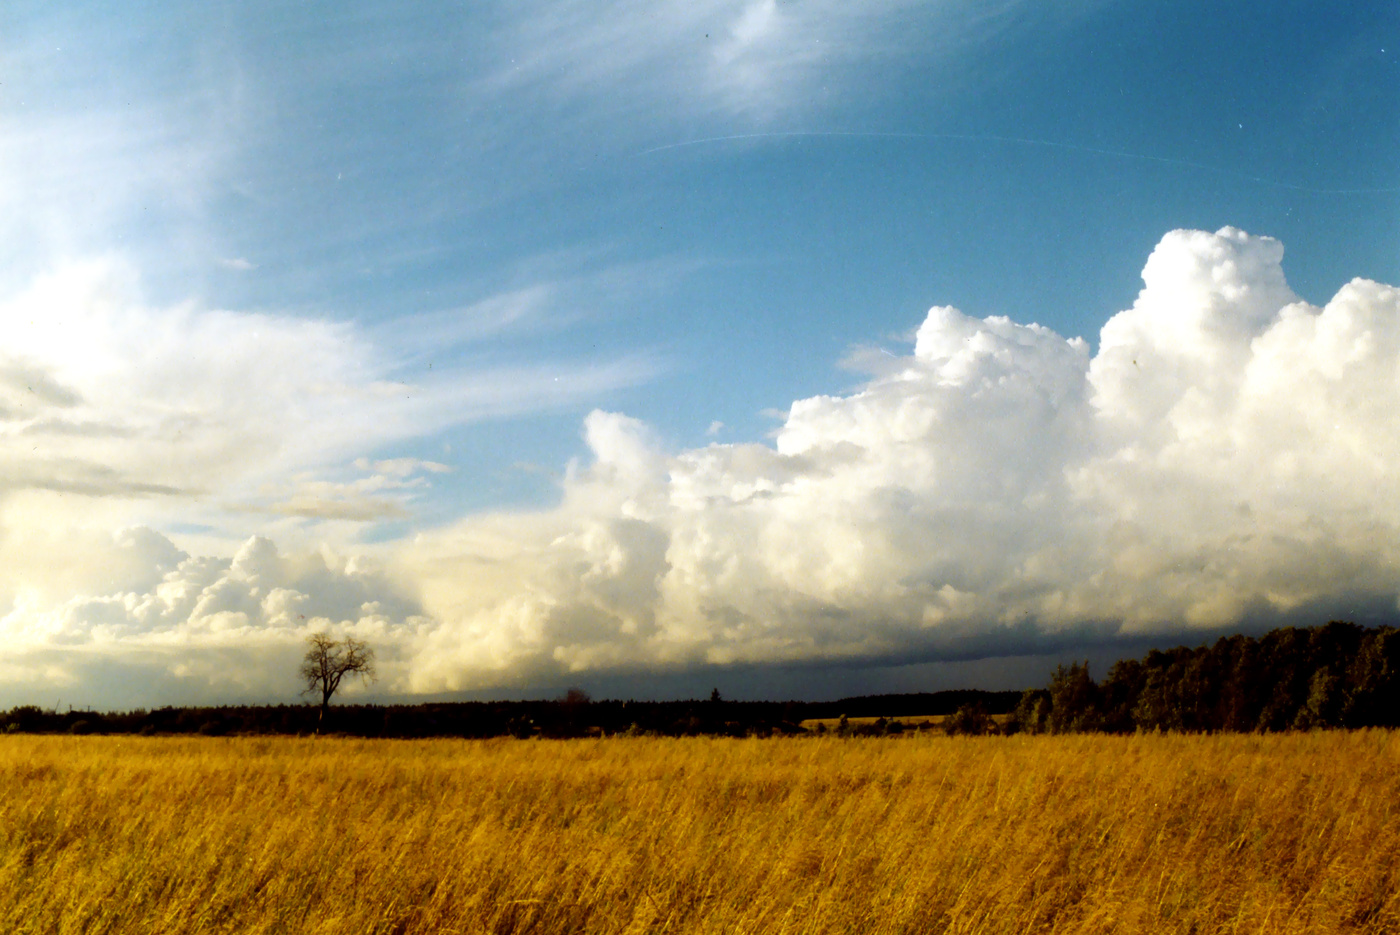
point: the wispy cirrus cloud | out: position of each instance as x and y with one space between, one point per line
385 490
750 58
104 394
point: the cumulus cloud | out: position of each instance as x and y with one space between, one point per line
116 413
1225 459
132 611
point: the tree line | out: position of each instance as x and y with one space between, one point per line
573 715
1336 675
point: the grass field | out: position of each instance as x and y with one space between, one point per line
1284 833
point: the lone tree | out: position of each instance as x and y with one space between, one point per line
327 661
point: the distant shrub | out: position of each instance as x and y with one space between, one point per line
1032 713
970 720
1073 699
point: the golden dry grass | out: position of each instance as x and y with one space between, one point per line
1296 833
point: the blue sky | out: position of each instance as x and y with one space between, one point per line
388 287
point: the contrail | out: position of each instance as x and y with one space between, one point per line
1021 141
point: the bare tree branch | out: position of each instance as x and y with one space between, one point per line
327 661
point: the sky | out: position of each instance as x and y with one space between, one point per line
799 349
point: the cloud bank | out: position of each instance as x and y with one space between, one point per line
1226 458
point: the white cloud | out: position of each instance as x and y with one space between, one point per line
1227 457
385 492
102 394
1228 454
115 412
724 58
402 467
198 629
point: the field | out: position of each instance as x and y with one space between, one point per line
1150 833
